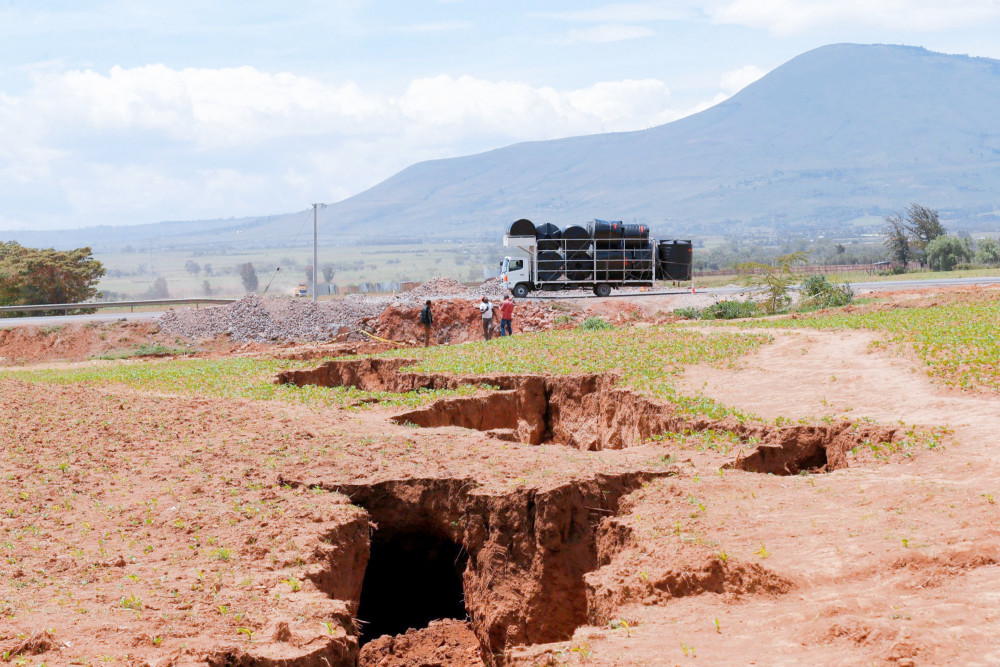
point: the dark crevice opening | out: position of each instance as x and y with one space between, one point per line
814 463
413 578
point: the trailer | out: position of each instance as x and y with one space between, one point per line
601 256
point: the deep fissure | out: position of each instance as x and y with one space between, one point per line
413 577
511 564
591 412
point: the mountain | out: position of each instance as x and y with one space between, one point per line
836 134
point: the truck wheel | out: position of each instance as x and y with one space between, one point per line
520 290
602 289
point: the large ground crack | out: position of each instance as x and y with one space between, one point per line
591 412
512 563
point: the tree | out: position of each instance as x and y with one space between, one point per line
774 281
248 276
896 238
206 287
207 269
192 267
30 276
924 227
988 251
309 273
158 290
906 237
944 252
328 273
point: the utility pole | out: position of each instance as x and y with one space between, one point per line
315 254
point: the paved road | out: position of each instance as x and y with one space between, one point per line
104 316
876 285
58 320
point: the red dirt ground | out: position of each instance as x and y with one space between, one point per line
166 530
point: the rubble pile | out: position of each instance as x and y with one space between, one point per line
257 319
437 287
254 318
492 289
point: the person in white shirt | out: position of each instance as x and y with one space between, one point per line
486 308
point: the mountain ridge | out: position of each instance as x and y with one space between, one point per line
837 133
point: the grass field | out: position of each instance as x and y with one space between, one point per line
226 378
958 343
863 276
649 359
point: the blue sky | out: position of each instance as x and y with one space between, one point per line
126 111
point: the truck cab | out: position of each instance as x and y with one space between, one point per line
515 274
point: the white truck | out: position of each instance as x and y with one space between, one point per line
601 256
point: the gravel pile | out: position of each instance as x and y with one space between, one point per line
266 320
492 289
438 287
257 319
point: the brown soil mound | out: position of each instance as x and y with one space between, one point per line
445 643
456 321
74 342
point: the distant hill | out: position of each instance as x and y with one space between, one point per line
836 134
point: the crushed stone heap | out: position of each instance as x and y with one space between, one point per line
254 318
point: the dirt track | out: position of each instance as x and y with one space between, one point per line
181 530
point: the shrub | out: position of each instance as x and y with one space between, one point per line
821 293
595 324
731 310
688 313
723 310
988 251
944 252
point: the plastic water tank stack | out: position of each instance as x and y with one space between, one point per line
675 259
604 250
551 263
607 234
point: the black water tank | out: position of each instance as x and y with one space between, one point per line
577 241
635 236
675 260
580 269
605 229
550 265
548 236
639 264
610 265
607 234
522 227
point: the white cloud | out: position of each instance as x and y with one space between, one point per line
627 12
208 107
735 80
613 32
517 110
150 143
785 17
443 26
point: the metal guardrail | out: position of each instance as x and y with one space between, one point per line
66 307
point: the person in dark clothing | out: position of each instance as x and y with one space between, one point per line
506 316
427 319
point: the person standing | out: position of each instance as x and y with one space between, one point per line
506 316
427 319
486 308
